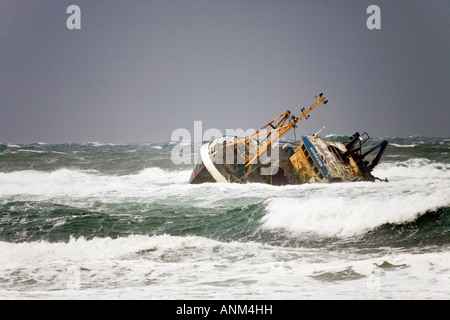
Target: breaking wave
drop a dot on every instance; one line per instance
(416, 186)
(86, 182)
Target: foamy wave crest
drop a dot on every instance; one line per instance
(417, 168)
(85, 183)
(403, 145)
(352, 212)
(96, 249)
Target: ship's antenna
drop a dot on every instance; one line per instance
(317, 133)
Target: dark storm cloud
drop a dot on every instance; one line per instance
(137, 70)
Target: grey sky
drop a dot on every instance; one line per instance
(137, 70)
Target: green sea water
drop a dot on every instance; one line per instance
(93, 220)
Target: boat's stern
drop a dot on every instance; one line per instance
(320, 161)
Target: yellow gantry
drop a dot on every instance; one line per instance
(265, 138)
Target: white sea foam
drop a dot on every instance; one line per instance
(350, 209)
(416, 168)
(402, 145)
(170, 267)
(31, 151)
(334, 214)
(66, 182)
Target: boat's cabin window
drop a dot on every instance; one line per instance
(305, 151)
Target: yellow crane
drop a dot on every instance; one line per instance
(279, 126)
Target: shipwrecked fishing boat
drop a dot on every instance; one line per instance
(263, 158)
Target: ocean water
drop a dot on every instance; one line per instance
(120, 221)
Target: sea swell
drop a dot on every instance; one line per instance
(58, 205)
(121, 221)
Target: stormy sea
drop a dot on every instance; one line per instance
(121, 221)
